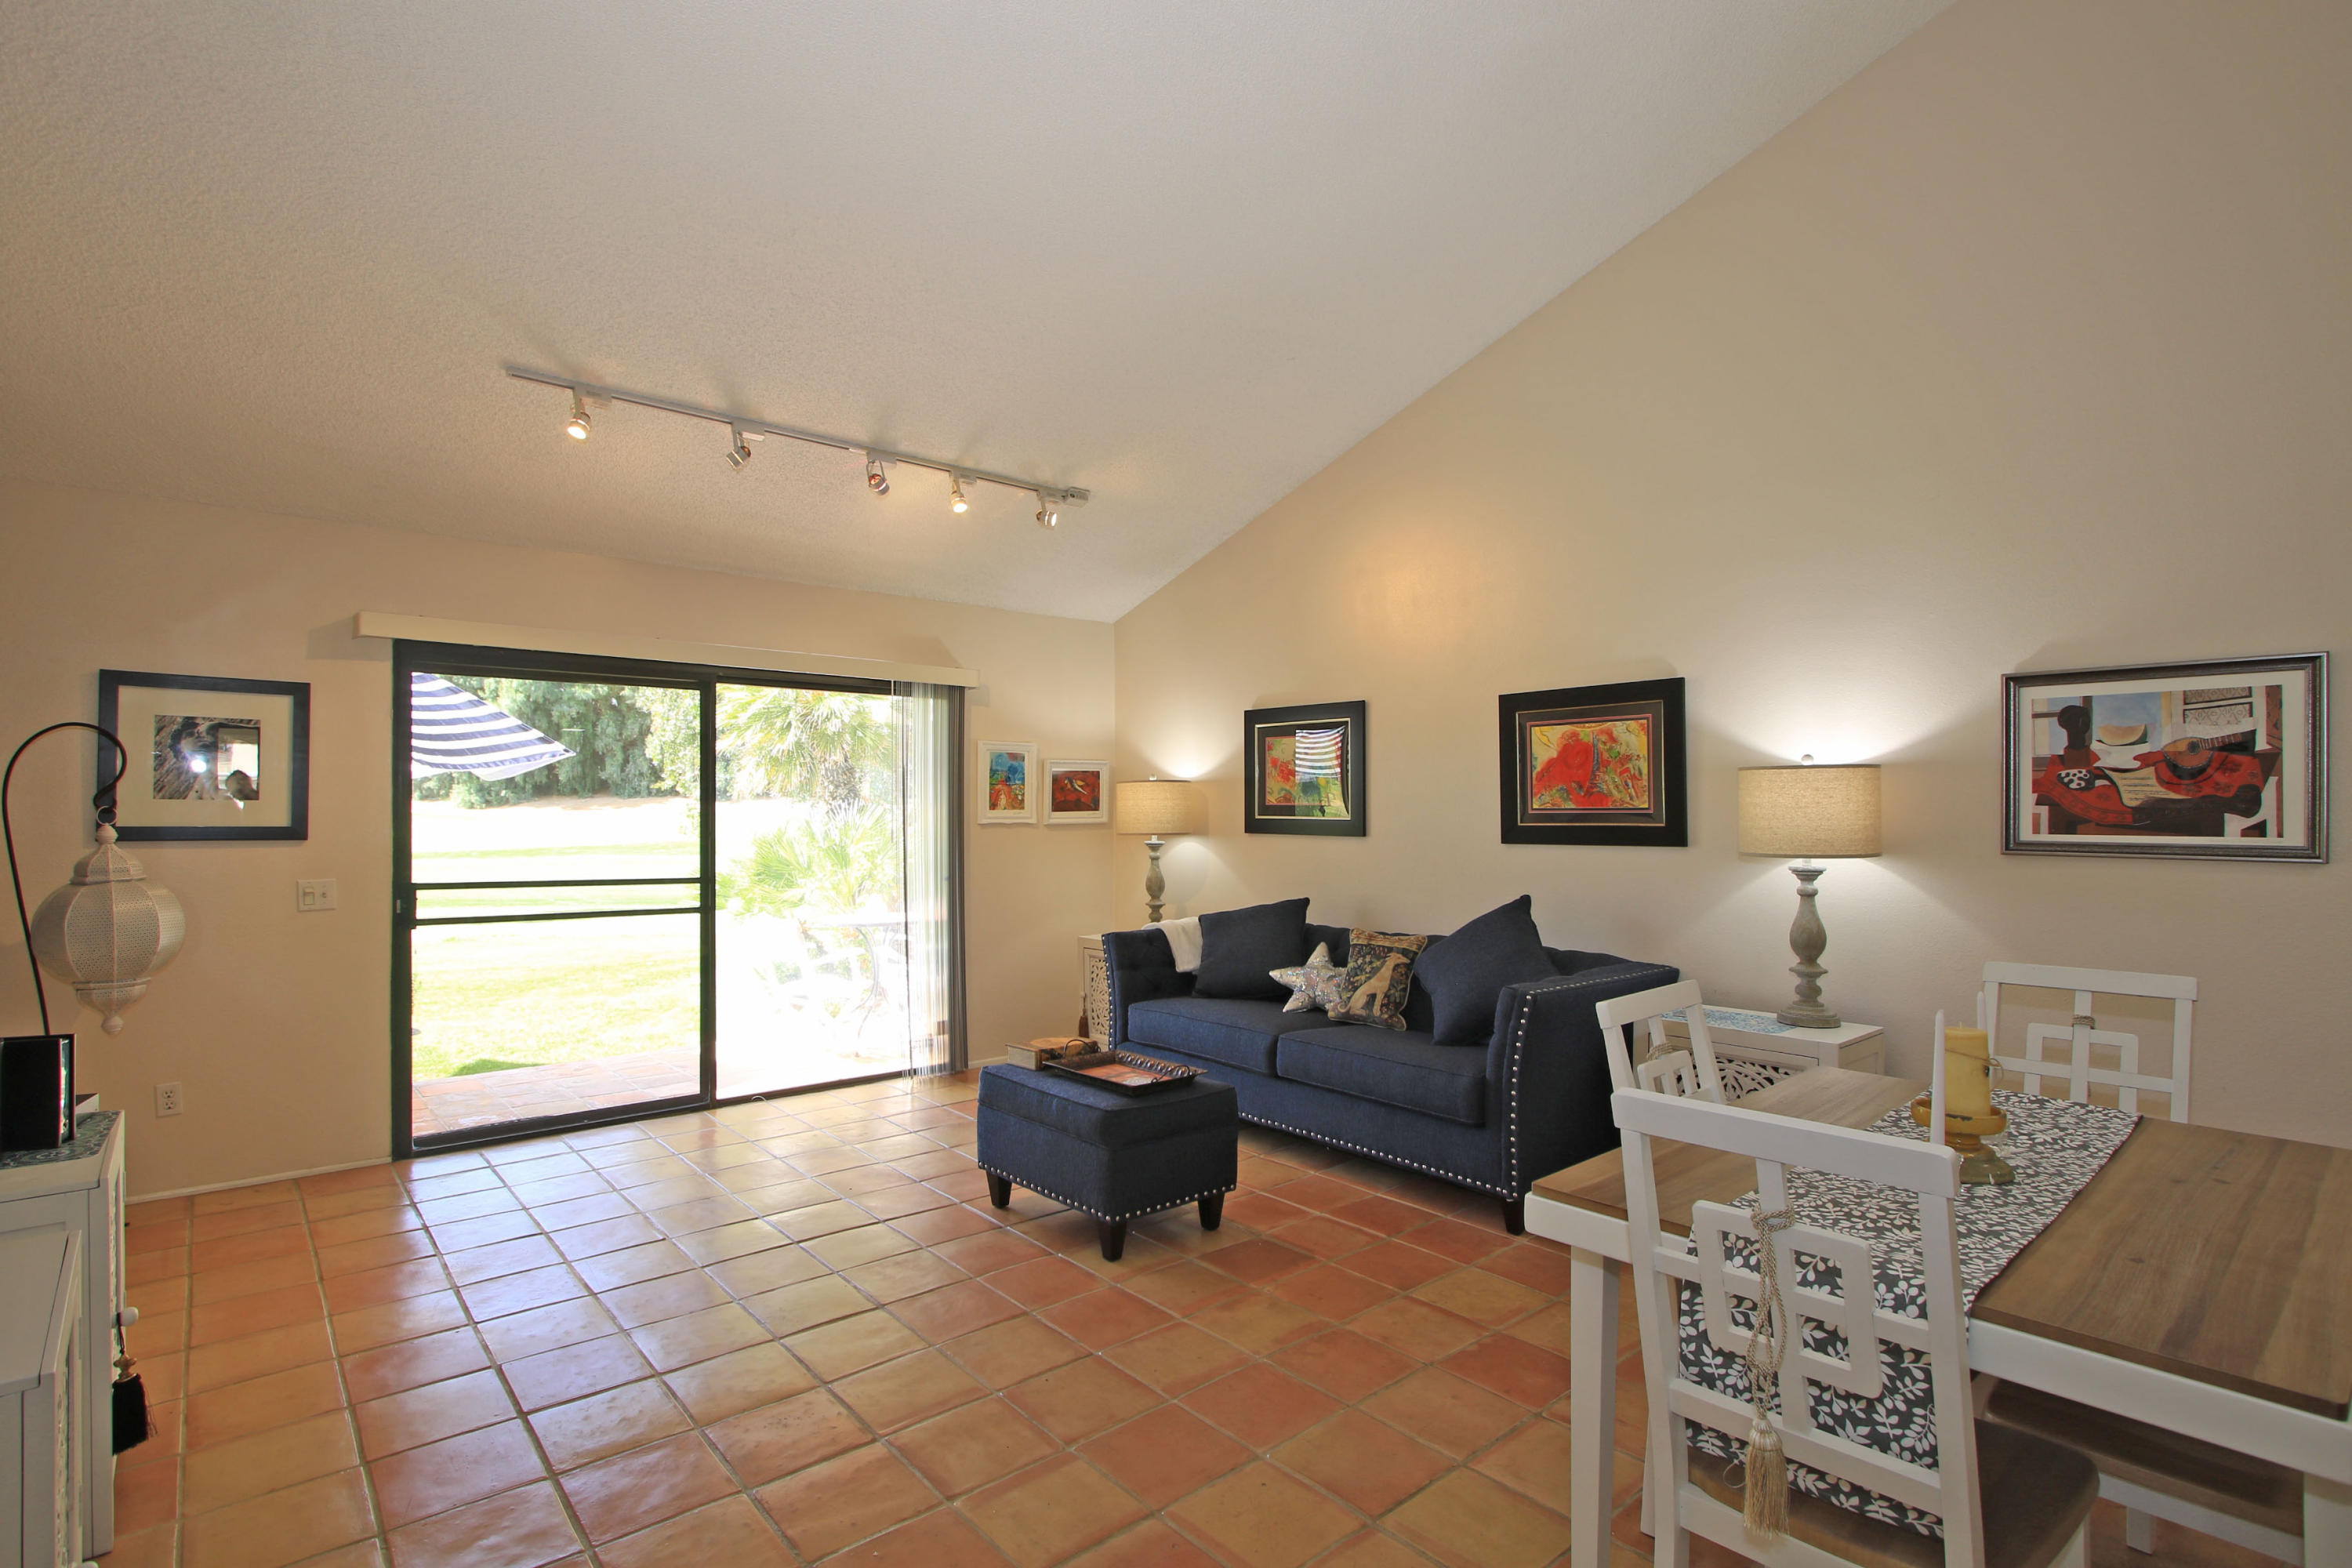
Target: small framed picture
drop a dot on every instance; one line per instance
(1305, 767)
(1007, 775)
(1077, 790)
(1595, 764)
(210, 757)
(2216, 760)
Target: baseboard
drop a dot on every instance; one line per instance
(254, 1181)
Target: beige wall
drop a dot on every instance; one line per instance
(2029, 348)
(276, 1022)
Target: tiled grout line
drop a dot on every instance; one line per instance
(708, 1135)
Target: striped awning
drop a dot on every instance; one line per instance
(452, 731)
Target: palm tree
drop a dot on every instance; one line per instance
(837, 748)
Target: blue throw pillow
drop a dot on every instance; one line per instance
(1466, 971)
(1239, 948)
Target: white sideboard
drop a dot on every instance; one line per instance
(43, 1371)
(79, 1187)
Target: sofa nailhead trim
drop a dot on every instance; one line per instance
(1377, 1154)
(1096, 1214)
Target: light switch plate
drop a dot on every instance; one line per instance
(312, 894)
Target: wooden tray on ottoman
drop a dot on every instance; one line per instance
(1123, 1071)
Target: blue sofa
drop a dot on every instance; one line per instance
(1492, 1118)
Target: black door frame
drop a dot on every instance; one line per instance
(457, 658)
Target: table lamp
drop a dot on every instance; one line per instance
(1155, 807)
(1807, 814)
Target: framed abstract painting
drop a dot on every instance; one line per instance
(1076, 792)
(1595, 764)
(211, 757)
(2218, 760)
(1306, 770)
(1006, 771)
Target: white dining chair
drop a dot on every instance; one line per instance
(2149, 1472)
(2076, 1066)
(2044, 1489)
(1665, 1067)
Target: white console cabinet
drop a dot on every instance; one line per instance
(79, 1189)
(43, 1371)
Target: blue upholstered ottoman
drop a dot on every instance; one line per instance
(1112, 1155)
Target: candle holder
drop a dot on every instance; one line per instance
(1966, 1134)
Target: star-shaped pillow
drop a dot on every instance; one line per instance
(1314, 983)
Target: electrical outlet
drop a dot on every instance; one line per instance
(312, 894)
(167, 1099)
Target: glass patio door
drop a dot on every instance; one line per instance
(552, 917)
(622, 888)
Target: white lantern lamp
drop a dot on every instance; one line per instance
(108, 931)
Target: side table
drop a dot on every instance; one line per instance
(1754, 1048)
(1095, 987)
(79, 1186)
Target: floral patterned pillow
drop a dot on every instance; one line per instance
(1379, 978)
(1314, 983)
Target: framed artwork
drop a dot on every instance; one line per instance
(1595, 764)
(210, 757)
(1077, 790)
(1008, 781)
(2220, 760)
(1306, 767)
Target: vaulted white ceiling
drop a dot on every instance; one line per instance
(1182, 255)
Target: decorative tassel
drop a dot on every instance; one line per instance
(1765, 1509)
(129, 1406)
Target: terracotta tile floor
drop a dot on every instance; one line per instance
(796, 1330)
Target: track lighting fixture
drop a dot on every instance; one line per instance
(741, 432)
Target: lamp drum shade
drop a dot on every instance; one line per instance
(1155, 807)
(1821, 812)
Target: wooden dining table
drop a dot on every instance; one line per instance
(2200, 1282)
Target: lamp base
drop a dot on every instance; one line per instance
(1806, 940)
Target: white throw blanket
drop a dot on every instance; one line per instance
(1184, 940)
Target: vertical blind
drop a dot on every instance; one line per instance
(929, 727)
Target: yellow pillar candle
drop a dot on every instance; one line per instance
(1968, 1073)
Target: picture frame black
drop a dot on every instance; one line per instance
(222, 770)
(1569, 777)
(1273, 802)
(2218, 759)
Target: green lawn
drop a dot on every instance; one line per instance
(558, 991)
(530, 993)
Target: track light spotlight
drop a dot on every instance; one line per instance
(577, 426)
(1049, 512)
(739, 452)
(876, 480)
(955, 493)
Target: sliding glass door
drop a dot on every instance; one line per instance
(626, 887)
